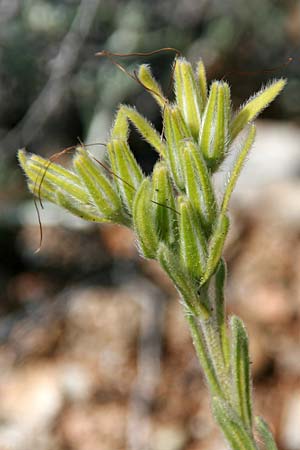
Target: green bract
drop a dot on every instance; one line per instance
(177, 217)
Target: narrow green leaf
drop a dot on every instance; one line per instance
(188, 95)
(198, 184)
(220, 279)
(163, 198)
(203, 356)
(265, 434)
(255, 105)
(234, 431)
(127, 173)
(216, 245)
(240, 370)
(183, 282)
(120, 128)
(175, 131)
(147, 79)
(193, 249)
(146, 129)
(144, 219)
(201, 74)
(238, 165)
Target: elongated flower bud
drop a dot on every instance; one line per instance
(164, 205)
(175, 131)
(53, 183)
(126, 171)
(198, 184)
(144, 211)
(193, 250)
(100, 188)
(216, 245)
(40, 171)
(214, 135)
(202, 81)
(188, 95)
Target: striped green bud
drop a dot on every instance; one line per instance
(86, 212)
(216, 246)
(100, 188)
(144, 211)
(175, 132)
(41, 172)
(126, 171)
(164, 204)
(188, 95)
(202, 82)
(193, 250)
(51, 182)
(198, 184)
(214, 134)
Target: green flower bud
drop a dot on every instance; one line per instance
(193, 250)
(126, 171)
(164, 205)
(214, 134)
(175, 131)
(198, 184)
(216, 245)
(100, 188)
(144, 212)
(188, 95)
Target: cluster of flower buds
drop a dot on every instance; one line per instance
(177, 217)
(175, 213)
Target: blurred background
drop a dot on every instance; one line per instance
(94, 350)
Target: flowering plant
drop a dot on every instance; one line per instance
(177, 218)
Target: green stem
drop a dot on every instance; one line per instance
(212, 337)
(204, 357)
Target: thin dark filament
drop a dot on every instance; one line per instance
(166, 206)
(113, 173)
(262, 71)
(40, 225)
(135, 77)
